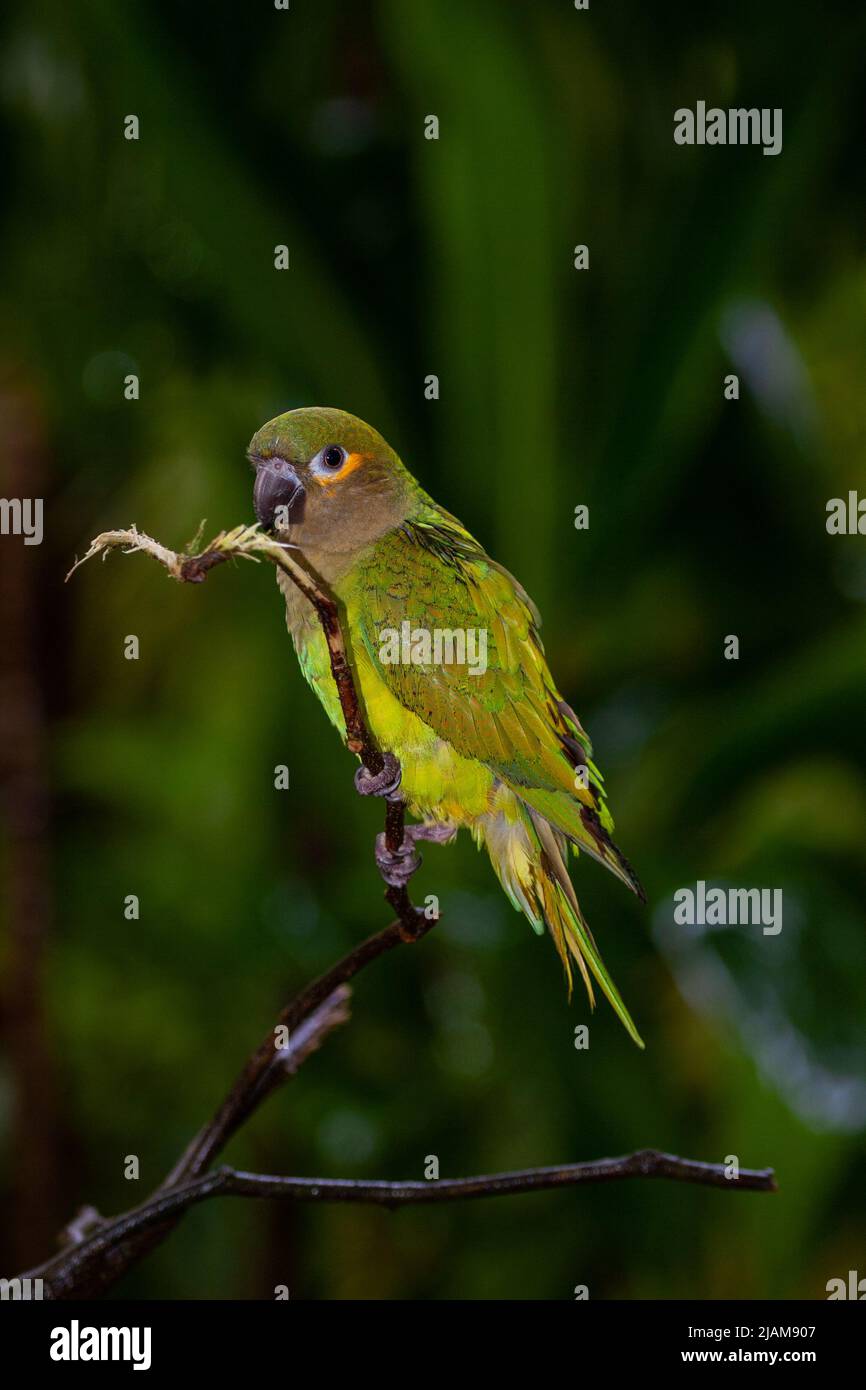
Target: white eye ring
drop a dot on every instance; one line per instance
(330, 459)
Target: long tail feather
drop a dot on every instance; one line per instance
(528, 855)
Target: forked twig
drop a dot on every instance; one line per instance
(99, 1251)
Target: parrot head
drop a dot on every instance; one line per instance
(326, 481)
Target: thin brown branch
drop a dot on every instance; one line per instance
(647, 1163)
(100, 1251)
(66, 1277)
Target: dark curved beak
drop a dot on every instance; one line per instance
(278, 493)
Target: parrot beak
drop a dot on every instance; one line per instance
(278, 493)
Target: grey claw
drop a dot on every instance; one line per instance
(385, 783)
(397, 866)
(439, 832)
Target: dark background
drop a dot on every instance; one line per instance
(558, 387)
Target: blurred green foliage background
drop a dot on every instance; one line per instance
(558, 387)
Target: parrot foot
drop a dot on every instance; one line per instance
(437, 831)
(397, 865)
(385, 783)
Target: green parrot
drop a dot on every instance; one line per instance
(484, 739)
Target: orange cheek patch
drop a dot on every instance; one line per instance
(352, 462)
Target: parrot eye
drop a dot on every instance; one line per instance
(333, 456)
